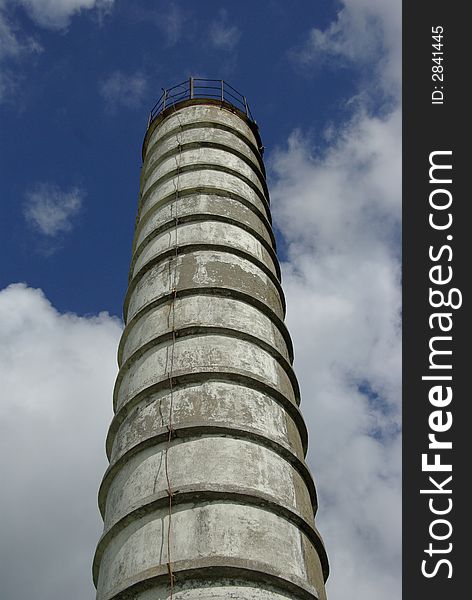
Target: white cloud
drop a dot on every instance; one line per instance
(170, 21)
(12, 44)
(223, 35)
(340, 216)
(365, 33)
(127, 90)
(57, 372)
(56, 14)
(14, 47)
(336, 201)
(50, 209)
(337, 205)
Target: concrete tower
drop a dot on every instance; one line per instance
(207, 495)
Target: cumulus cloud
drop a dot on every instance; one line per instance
(56, 14)
(223, 35)
(340, 218)
(336, 201)
(57, 372)
(364, 33)
(123, 90)
(50, 209)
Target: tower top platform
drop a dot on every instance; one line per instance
(195, 90)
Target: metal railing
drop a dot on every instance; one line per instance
(194, 87)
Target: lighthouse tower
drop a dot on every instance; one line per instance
(207, 495)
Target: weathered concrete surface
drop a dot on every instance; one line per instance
(205, 179)
(203, 311)
(238, 532)
(208, 462)
(209, 233)
(214, 403)
(207, 478)
(198, 116)
(204, 269)
(201, 205)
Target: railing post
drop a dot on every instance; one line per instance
(164, 100)
(222, 91)
(246, 107)
(149, 120)
(191, 88)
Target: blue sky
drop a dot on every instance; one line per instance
(77, 80)
(75, 105)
